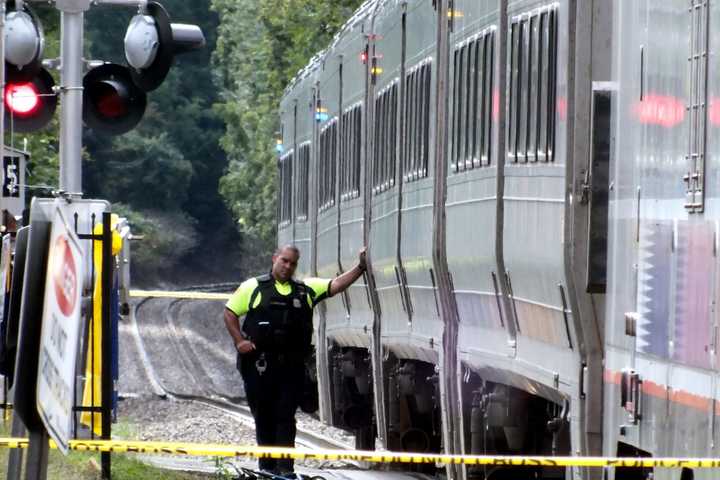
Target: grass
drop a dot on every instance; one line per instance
(86, 466)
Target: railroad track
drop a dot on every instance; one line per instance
(198, 385)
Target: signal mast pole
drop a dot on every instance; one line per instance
(71, 72)
(2, 75)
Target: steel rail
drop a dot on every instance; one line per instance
(239, 412)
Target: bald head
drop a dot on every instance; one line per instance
(290, 247)
(284, 262)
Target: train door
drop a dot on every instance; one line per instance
(351, 47)
(302, 220)
(417, 171)
(327, 112)
(386, 66)
(286, 150)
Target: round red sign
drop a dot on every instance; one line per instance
(64, 276)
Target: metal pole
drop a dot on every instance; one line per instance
(2, 74)
(71, 47)
(107, 380)
(15, 457)
(37, 457)
(14, 466)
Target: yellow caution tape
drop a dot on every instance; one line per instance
(216, 450)
(171, 294)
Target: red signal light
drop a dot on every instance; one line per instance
(29, 102)
(22, 99)
(109, 98)
(112, 103)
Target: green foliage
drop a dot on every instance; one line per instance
(260, 47)
(172, 161)
(166, 237)
(163, 172)
(86, 465)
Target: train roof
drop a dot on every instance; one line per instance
(363, 10)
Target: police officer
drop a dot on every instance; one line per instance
(273, 342)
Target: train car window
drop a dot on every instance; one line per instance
(404, 151)
(350, 154)
(345, 149)
(385, 140)
(488, 91)
(544, 55)
(285, 173)
(533, 96)
(415, 131)
(343, 155)
(328, 155)
(357, 134)
(285, 176)
(462, 111)
(376, 148)
(513, 95)
(552, 75)
(532, 87)
(301, 208)
(469, 109)
(477, 68)
(412, 126)
(479, 87)
(524, 92)
(472, 103)
(325, 165)
(393, 132)
(322, 168)
(346, 163)
(333, 162)
(417, 123)
(455, 136)
(426, 121)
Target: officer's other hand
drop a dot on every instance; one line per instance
(245, 346)
(362, 258)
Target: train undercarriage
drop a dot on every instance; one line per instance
(502, 420)
(497, 419)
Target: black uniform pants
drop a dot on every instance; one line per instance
(273, 397)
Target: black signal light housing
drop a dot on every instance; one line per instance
(112, 103)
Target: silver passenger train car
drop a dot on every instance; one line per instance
(535, 182)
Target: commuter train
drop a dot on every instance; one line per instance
(534, 182)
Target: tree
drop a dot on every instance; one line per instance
(260, 46)
(171, 163)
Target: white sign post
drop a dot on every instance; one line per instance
(60, 331)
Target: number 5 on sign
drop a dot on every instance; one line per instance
(60, 331)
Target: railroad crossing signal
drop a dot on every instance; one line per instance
(151, 43)
(112, 103)
(114, 97)
(29, 97)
